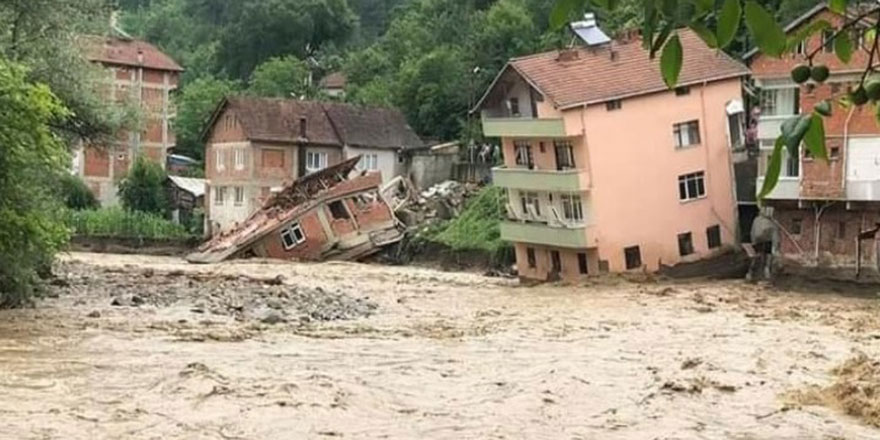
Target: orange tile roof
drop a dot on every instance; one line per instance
(125, 51)
(595, 77)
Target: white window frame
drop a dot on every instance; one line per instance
(523, 152)
(685, 192)
(240, 155)
(530, 198)
(238, 200)
(289, 238)
(220, 159)
(316, 161)
(572, 208)
(369, 162)
(219, 195)
(686, 134)
(779, 101)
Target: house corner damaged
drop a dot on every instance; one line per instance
(326, 215)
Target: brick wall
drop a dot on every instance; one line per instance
(839, 229)
(308, 250)
(97, 162)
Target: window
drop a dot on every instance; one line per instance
(541, 147)
(315, 161)
(219, 195)
(775, 102)
(239, 158)
(523, 152)
(555, 262)
(828, 40)
(796, 224)
(682, 91)
(612, 105)
(841, 230)
(686, 134)
(239, 196)
(835, 153)
(633, 257)
(685, 244)
(835, 88)
(735, 129)
(220, 159)
(530, 256)
(564, 155)
(582, 264)
(857, 35)
(691, 186)
(369, 162)
(514, 106)
(292, 236)
(713, 236)
(530, 199)
(801, 48)
(572, 208)
(338, 211)
(792, 165)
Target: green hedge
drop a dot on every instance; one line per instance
(116, 222)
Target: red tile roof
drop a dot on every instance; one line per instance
(126, 52)
(371, 126)
(595, 77)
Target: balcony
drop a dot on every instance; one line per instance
(543, 234)
(770, 127)
(787, 188)
(862, 190)
(541, 180)
(523, 127)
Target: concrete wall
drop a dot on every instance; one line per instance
(635, 166)
(427, 170)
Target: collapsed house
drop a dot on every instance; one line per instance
(327, 215)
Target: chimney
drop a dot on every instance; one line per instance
(566, 55)
(302, 128)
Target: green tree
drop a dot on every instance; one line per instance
(32, 158)
(281, 77)
(195, 105)
(143, 189)
(431, 92)
(75, 193)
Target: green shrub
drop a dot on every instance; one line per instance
(143, 189)
(478, 228)
(75, 194)
(116, 222)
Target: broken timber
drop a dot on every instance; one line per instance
(323, 215)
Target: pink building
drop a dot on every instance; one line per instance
(605, 168)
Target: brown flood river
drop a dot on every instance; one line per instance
(442, 356)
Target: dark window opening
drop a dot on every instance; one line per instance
(514, 106)
(682, 91)
(835, 152)
(614, 105)
(530, 256)
(338, 211)
(564, 155)
(713, 236)
(633, 257)
(582, 264)
(541, 146)
(796, 224)
(555, 261)
(685, 244)
(828, 40)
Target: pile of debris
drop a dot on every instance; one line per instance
(856, 390)
(442, 201)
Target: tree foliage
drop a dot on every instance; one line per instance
(75, 194)
(32, 158)
(143, 189)
(281, 77)
(195, 105)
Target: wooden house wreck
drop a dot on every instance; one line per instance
(336, 213)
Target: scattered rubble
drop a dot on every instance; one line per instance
(442, 201)
(267, 301)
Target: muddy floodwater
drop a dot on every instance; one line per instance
(135, 347)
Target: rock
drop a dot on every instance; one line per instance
(116, 302)
(59, 282)
(148, 273)
(277, 281)
(94, 314)
(272, 317)
(137, 300)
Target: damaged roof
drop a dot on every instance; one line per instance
(591, 75)
(327, 123)
(127, 52)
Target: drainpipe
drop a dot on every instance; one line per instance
(708, 176)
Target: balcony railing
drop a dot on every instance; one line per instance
(787, 188)
(769, 126)
(863, 190)
(541, 180)
(575, 236)
(523, 127)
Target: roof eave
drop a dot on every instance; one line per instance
(651, 91)
(491, 87)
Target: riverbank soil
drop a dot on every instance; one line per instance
(140, 347)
